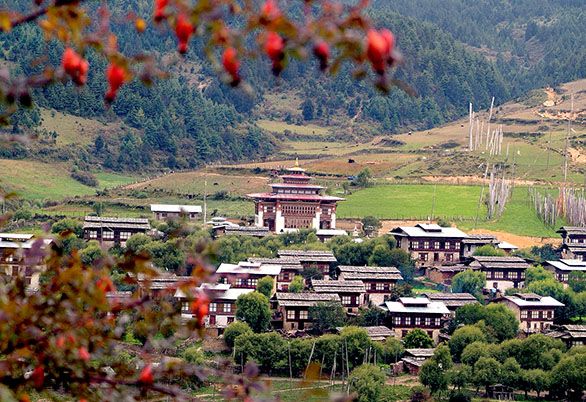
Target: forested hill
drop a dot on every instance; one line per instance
(193, 118)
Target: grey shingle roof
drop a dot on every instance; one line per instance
(96, 222)
(309, 255)
(366, 273)
(305, 299)
(340, 286)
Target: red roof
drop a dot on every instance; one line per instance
(300, 197)
(295, 185)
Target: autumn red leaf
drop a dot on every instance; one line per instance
(183, 29)
(38, 377)
(200, 307)
(270, 11)
(159, 13)
(116, 76)
(105, 284)
(231, 64)
(321, 50)
(75, 66)
(83, 354)
(146, 375)
(273, 47)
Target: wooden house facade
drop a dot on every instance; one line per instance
(325, 261)
(573, 242)
(502, 273)
(21, 255)
(430, 244)
(453, 301)
(378, 281)
(352, 293)
(290, 267)
(110, 231)
(535, 313)
(564, 267)
(163, 212)
(246, 274)
(292, 309)
(409, 313)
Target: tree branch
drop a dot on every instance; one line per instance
(24, 19)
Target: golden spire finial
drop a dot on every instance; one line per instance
(296, 161)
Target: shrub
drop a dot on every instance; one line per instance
(234, 330)
(367, 381)
(85, 178)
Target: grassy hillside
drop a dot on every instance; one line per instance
(38, 181)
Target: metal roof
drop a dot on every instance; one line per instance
(404, 305)
(246, 231)
(176, 208)
(300, 197)
(249, 268)
(568, 265)
(452, 299)
(573, 230)
(544, 301)
(427, 231)
(16, 236)
(97, 222)
(362, 273)
(309, 255)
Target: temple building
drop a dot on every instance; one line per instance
(295, 204)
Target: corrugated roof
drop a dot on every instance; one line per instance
(247, 268)
(16, 236)
(246, 231)
(544, 301)
(430, 308)
(424, 231)
(568, 265)
(452, 299)
(97, 222)
(422, 352)
(285, 263)
(309, 255)
(176, 208)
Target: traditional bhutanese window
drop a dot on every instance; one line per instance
(380, 286)
(417, 320)
(125, 235)
(93, 234)
(227, 307)
(213, 307)
(397, 320)
(346, 300)
(523, 314)
(185, 307)
(303, 315)
(407, 320)
(108, 235)
(436, 245)
(428, 321)
(290, 314)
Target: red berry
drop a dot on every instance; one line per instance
(322, 51)
(38, 377)
(105, 284)
(379, 48)
(231, 64)
(75, 66)
(159, 14)
(183, 30)
(60, 342)
(146, 375)
(116, 77)
(83, 354)
(270, 10)
(274, 46)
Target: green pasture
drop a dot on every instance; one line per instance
(458, 204)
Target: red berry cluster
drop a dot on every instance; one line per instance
(379, 49)
(75, 66)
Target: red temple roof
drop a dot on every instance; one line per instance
(299, 197)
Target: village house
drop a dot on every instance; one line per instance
(564, 267)
(251, 231)
(327, 234)
(430, 244)
(502, 273)
(292, 309)
(162, 285)
(352, 293)
(295, 204)
(222, 307)
(409, 313)
(573, 242)
(290, 267)
(163, 212)
(475, 241)
(571, 335)
(378, 281)
(444, 274)
(21, 255)
(325, 261)
(111, 231)
(413, 359)
(452, 301)
(246, 274)
(535, 313)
